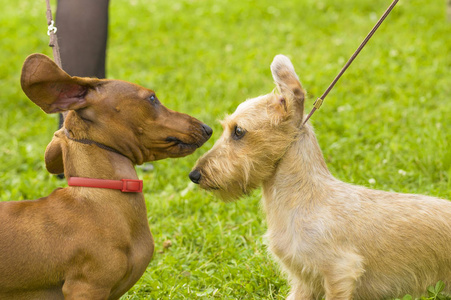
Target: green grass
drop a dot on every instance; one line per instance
(390, 112)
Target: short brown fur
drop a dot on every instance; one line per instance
(89, 243)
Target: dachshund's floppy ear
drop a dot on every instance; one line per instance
(52, 89)
(54, 154)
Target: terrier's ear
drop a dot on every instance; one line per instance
(289, 86)
(51, 88)
(54, 154)
(277, 106)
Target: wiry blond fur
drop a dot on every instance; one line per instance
(333, 239)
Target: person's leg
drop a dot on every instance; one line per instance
(82, 36)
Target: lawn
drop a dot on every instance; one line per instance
(386, 125)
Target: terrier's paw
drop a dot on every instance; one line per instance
(282, 69)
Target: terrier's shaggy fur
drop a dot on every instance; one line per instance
(333, 239)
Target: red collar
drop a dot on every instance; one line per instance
(124, 185)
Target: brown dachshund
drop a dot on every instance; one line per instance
(85, 242)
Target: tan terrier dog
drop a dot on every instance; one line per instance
(332, 238)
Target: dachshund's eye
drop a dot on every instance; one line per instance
(152, 98)
(238, 133)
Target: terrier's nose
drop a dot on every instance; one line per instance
(207, 129)
(195, 176)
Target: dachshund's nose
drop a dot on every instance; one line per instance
(207, 129)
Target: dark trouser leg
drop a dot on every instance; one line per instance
(82, 36)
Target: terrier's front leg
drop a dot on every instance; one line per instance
(298, 294)
(341, 276)
(340, 290)
(300, 291)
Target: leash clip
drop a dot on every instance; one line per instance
(318, 103)
(51, 28)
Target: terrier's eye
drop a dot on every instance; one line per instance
(238, 133)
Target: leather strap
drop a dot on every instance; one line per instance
(91, 142)
(320, 100)
(53, 43)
